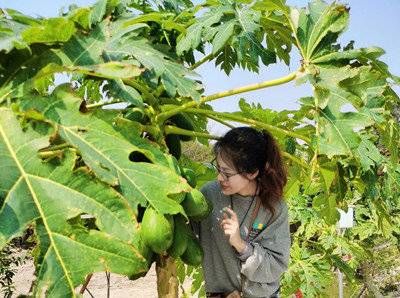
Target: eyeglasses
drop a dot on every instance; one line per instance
(224, 175)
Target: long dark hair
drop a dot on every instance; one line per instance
(249, 150)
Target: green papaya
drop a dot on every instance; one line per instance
(290, 145)
(174, 166)
(196, 205)
(174, 145)
(181, 234)
(193, 254)
(183, 121)
(157, 230)
(178, 197)
(190, 176)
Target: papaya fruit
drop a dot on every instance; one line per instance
(178, 197)
(193, 254)
(174, 166)
(157, 230)
(190, 176)
(174, 145)
(181, 235)
(183, 121)
(196, 205)
(290, 145)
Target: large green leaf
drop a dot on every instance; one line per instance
(108, 153)
(84, 51)
(235, 30)
(275, 21)
(113, 70)
(49, 31)
(249, 41)
(193, 36)
(174, 76)
(369, 87)
(279, 36)
(294, 182)
(369, 154)
(120, 41)
(366, 53)
(344, 113)
(318, 27)
(326, 207)
(338, 130)
(12, 23)
(225, 32)
(53, 194)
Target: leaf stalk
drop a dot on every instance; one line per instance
(169, 129)
(252, 122)
(295, 160)
(203, 60)
(290, 77)
(100, 104)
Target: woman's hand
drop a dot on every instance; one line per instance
(230, 226)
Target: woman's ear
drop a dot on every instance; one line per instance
(253, 175)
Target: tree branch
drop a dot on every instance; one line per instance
(220, 121)
(252, 122)
(295, 159)
(56, 147)
(203, 60)
(100, 104)
(143, 90)
(290, 77)
(169, 129)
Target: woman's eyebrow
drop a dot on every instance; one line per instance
(223, 168)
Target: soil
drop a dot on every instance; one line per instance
(120, 286)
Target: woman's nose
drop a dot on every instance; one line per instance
(220, 177)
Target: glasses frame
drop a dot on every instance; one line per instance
(224, 175)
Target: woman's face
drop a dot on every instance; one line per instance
(233, 182)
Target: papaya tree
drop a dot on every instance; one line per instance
(94, 166)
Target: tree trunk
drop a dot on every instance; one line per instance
(167, 282)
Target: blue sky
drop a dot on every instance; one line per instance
(372, 23)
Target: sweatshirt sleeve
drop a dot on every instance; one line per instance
(270, 253)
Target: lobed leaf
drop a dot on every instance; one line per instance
(109, 154)
(52, 195)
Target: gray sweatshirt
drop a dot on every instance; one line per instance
(265, 258)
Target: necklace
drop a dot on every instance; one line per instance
(248, 209)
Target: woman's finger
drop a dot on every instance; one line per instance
(231, 213)
(226, 224)
(228, 221)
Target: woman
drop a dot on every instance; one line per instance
(246, 238)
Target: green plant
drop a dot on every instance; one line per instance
(65, 157)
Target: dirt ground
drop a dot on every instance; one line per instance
(120, 286)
